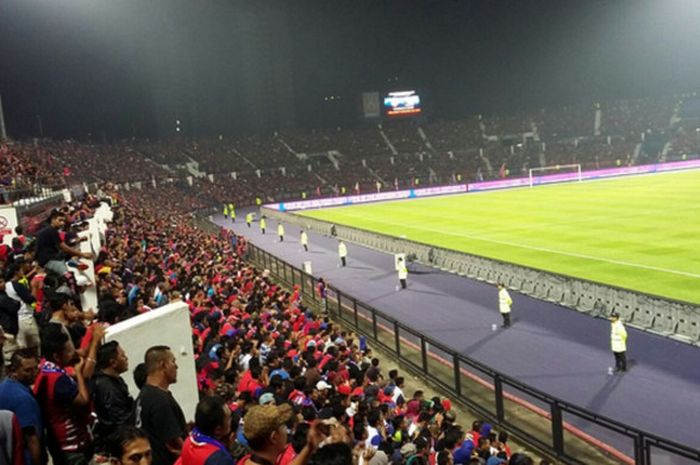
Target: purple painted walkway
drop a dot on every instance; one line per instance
(551, 348)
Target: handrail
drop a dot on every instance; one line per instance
(643, 440)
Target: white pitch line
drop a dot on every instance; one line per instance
(540, 249)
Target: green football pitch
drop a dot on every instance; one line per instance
(640, 233)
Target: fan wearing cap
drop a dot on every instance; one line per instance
(264, 426)
(320, 394)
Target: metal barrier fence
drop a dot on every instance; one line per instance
(20, 197)
(666, 317)
(544, 421)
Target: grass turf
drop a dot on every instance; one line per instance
(639, 232)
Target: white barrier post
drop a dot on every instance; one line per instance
(8, 223)
(168, 325)
(89, 297)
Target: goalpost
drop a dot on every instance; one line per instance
(573, 169)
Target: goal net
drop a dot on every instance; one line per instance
(554, 173)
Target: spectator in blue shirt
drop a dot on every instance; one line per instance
(461, 448)
(16, 396)
(136, 290)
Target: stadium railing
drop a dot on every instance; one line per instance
(544, 421)
(28, 209)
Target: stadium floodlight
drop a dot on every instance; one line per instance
(3, 132)
(566, 173)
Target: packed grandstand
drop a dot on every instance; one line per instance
(398, 154)
(278, 381)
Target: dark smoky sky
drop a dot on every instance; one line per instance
(122, 68)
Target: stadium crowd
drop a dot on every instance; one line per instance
(278, 384)
(392, 155)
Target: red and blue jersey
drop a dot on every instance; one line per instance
(200, 449)
(67, 425)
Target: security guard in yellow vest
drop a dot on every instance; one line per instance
(232, 212)
(263, 225)
(342, 253)
(249, 219)
(304, 240)
(504, 303)
(280, 231)
(225, 211)
(403, 272)
(618, 342)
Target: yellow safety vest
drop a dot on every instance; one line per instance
(504, 301)
(618, 336)
(403, 272)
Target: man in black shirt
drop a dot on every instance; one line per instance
(50, 249)
(157, 411)
(113, 404)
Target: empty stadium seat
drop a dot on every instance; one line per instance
(586, 302)
(688, 327)
(605, 297)
(515, 282)
(569, 297)
(528, 286)
(491, 276)
(665, 320)
(643, 317)
(540, 290)
(625, 305)
(463, 267)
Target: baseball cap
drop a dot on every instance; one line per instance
(408, 449)
(263, 420)
(322, 385)
(267, 398)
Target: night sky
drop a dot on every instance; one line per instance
(123, 68)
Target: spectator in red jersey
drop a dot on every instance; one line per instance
(210, 439)
(64, 401)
